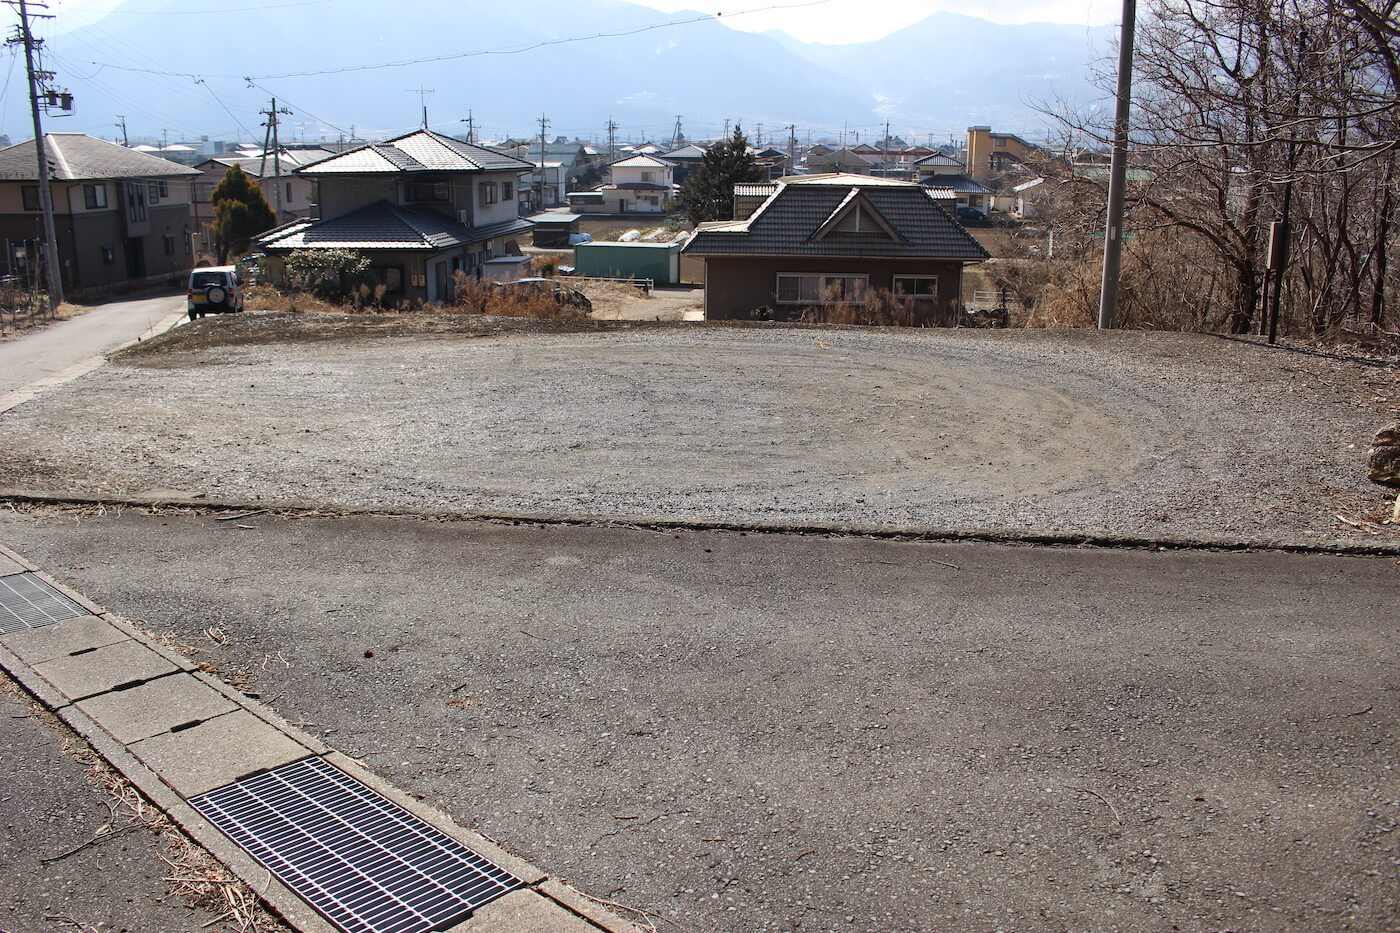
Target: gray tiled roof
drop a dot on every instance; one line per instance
(938, 158)
(959, 183)
(787, 225)
(77, 157)
(384, 226)
(419, 151)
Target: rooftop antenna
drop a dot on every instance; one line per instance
(422, 93)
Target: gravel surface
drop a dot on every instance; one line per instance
(1127, 433)
(774, 732)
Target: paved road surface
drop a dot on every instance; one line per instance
(758, 732)
(49, 807)
(53, 349)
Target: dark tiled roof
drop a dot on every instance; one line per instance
(419, 151)
(384, 226)
(787, 225)
(76, 157)
(959, 183)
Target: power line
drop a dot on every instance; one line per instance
(517, 50)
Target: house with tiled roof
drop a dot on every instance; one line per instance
(817, 238)
(120, 216)
(294, 194)
(421, 206)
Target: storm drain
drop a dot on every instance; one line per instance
(28, 602)
(367, 864)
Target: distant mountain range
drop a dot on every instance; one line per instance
(933, 78)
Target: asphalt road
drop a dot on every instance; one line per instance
(53, 349)
(750, 732)
(55, 876)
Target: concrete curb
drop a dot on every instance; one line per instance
(82, 367)
(931, 534)
(545, 905)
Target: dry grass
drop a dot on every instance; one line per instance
(477, 296)
(610, 299)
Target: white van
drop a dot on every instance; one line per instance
(214, 290)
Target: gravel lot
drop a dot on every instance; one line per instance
(778, 732)
(1132, 433)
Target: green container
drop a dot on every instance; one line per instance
(659, 262)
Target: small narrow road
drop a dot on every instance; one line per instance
(45, 352)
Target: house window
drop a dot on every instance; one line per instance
(289, 191)
(109, 255)
(30, 194)
(1001, 143)
(489, 191)
(648, 177)
(154, 189)
(189, 242)
(169, 240)
(507, 191)
(94, 196)
(916, 287)
(136, 203)
(416, 191)
(796, 289)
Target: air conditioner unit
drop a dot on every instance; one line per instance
(464, 217)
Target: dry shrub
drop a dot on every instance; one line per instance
(545, 266)
(882, 308)
(1166, 283)
(478, 296)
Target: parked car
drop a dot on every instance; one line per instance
(971, 215)
(214, 290)
(562, 293)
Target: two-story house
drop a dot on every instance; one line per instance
(421, 206)
(120, 216)
(641, 184)
(296, 193)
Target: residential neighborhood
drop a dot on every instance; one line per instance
(604, 467)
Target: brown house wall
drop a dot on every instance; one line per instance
(736, 287)
(82, 236)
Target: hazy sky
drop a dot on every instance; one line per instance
(833, 21)
(839, 21)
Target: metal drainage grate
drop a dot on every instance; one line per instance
(28, 602)
(364, 862)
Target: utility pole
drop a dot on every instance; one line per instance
(422, 93)
(1278, 233)
(121, 125)
(792, 147)
(612, 141)
(271, 114)
(677, 135)
(164, 139)
(759, 143)
(471, 128)
(544, 125)
(54, 272)
(885, 154)
(726, 127)
(1118, 172)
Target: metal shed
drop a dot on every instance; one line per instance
(659, 262)
(552, 230)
